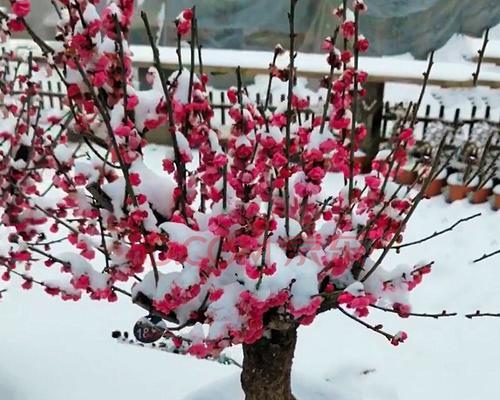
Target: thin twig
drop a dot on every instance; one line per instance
(442, 314)
(478, 314)
(127, 114)
(198, 45)
(330, 81)
(437, 233)
(475, 75)
(485, 256)
(266, 234)
(377, 328)
(103, 239)
(119, 290)
(422, 91)
(170, 120)
(193, 53)
(178, 51)
(291, 78)
(416, 201)
(354, 106)
(270, 80)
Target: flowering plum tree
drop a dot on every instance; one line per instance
(237, 240)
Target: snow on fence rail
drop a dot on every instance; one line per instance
(492, 53)
(381, 70)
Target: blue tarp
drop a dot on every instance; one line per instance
(393, 26)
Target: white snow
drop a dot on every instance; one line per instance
(158, 188)
(63, 153)
(305, 387)
(442, 175)
(394, 68)
(457, 179)
(398, 68)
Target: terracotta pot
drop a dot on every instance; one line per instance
(480, 196)
(435, 188)
(406, 177)
(457, 192)
(495, 202)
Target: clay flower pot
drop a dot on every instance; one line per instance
(436, 186)
(481, 195)
(457, 192)
(495, 200)
(406, 177)
(457, 189)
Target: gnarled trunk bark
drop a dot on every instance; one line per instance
(267, 367)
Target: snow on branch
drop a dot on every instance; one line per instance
(223, 239)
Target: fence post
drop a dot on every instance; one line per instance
(372, 112)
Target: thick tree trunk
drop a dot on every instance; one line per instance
(267, 367)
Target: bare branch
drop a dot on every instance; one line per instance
(422, 92)
(266, 234)
(479, 314)
(119, 41)
(330, 80)
(442, 314)
(170, 121)
(437, 233)
(485, 256)
(105, 116)
(291, 78)
(119, 290)
(198, 45)
(475, 75)
(100, 196)
(376, 328)
(416, 201)
(482, 160)
(354, 106)
(329, 301)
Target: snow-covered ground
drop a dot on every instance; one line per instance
(53, 350)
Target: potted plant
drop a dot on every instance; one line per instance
(495, 200)
(424, 152)
(436, 186)
(481, 193)
(408, 174)
(464, 179)
(475, 182)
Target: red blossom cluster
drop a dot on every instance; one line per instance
(288, 244)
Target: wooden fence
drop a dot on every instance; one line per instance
(52, 92)
(460, 119)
